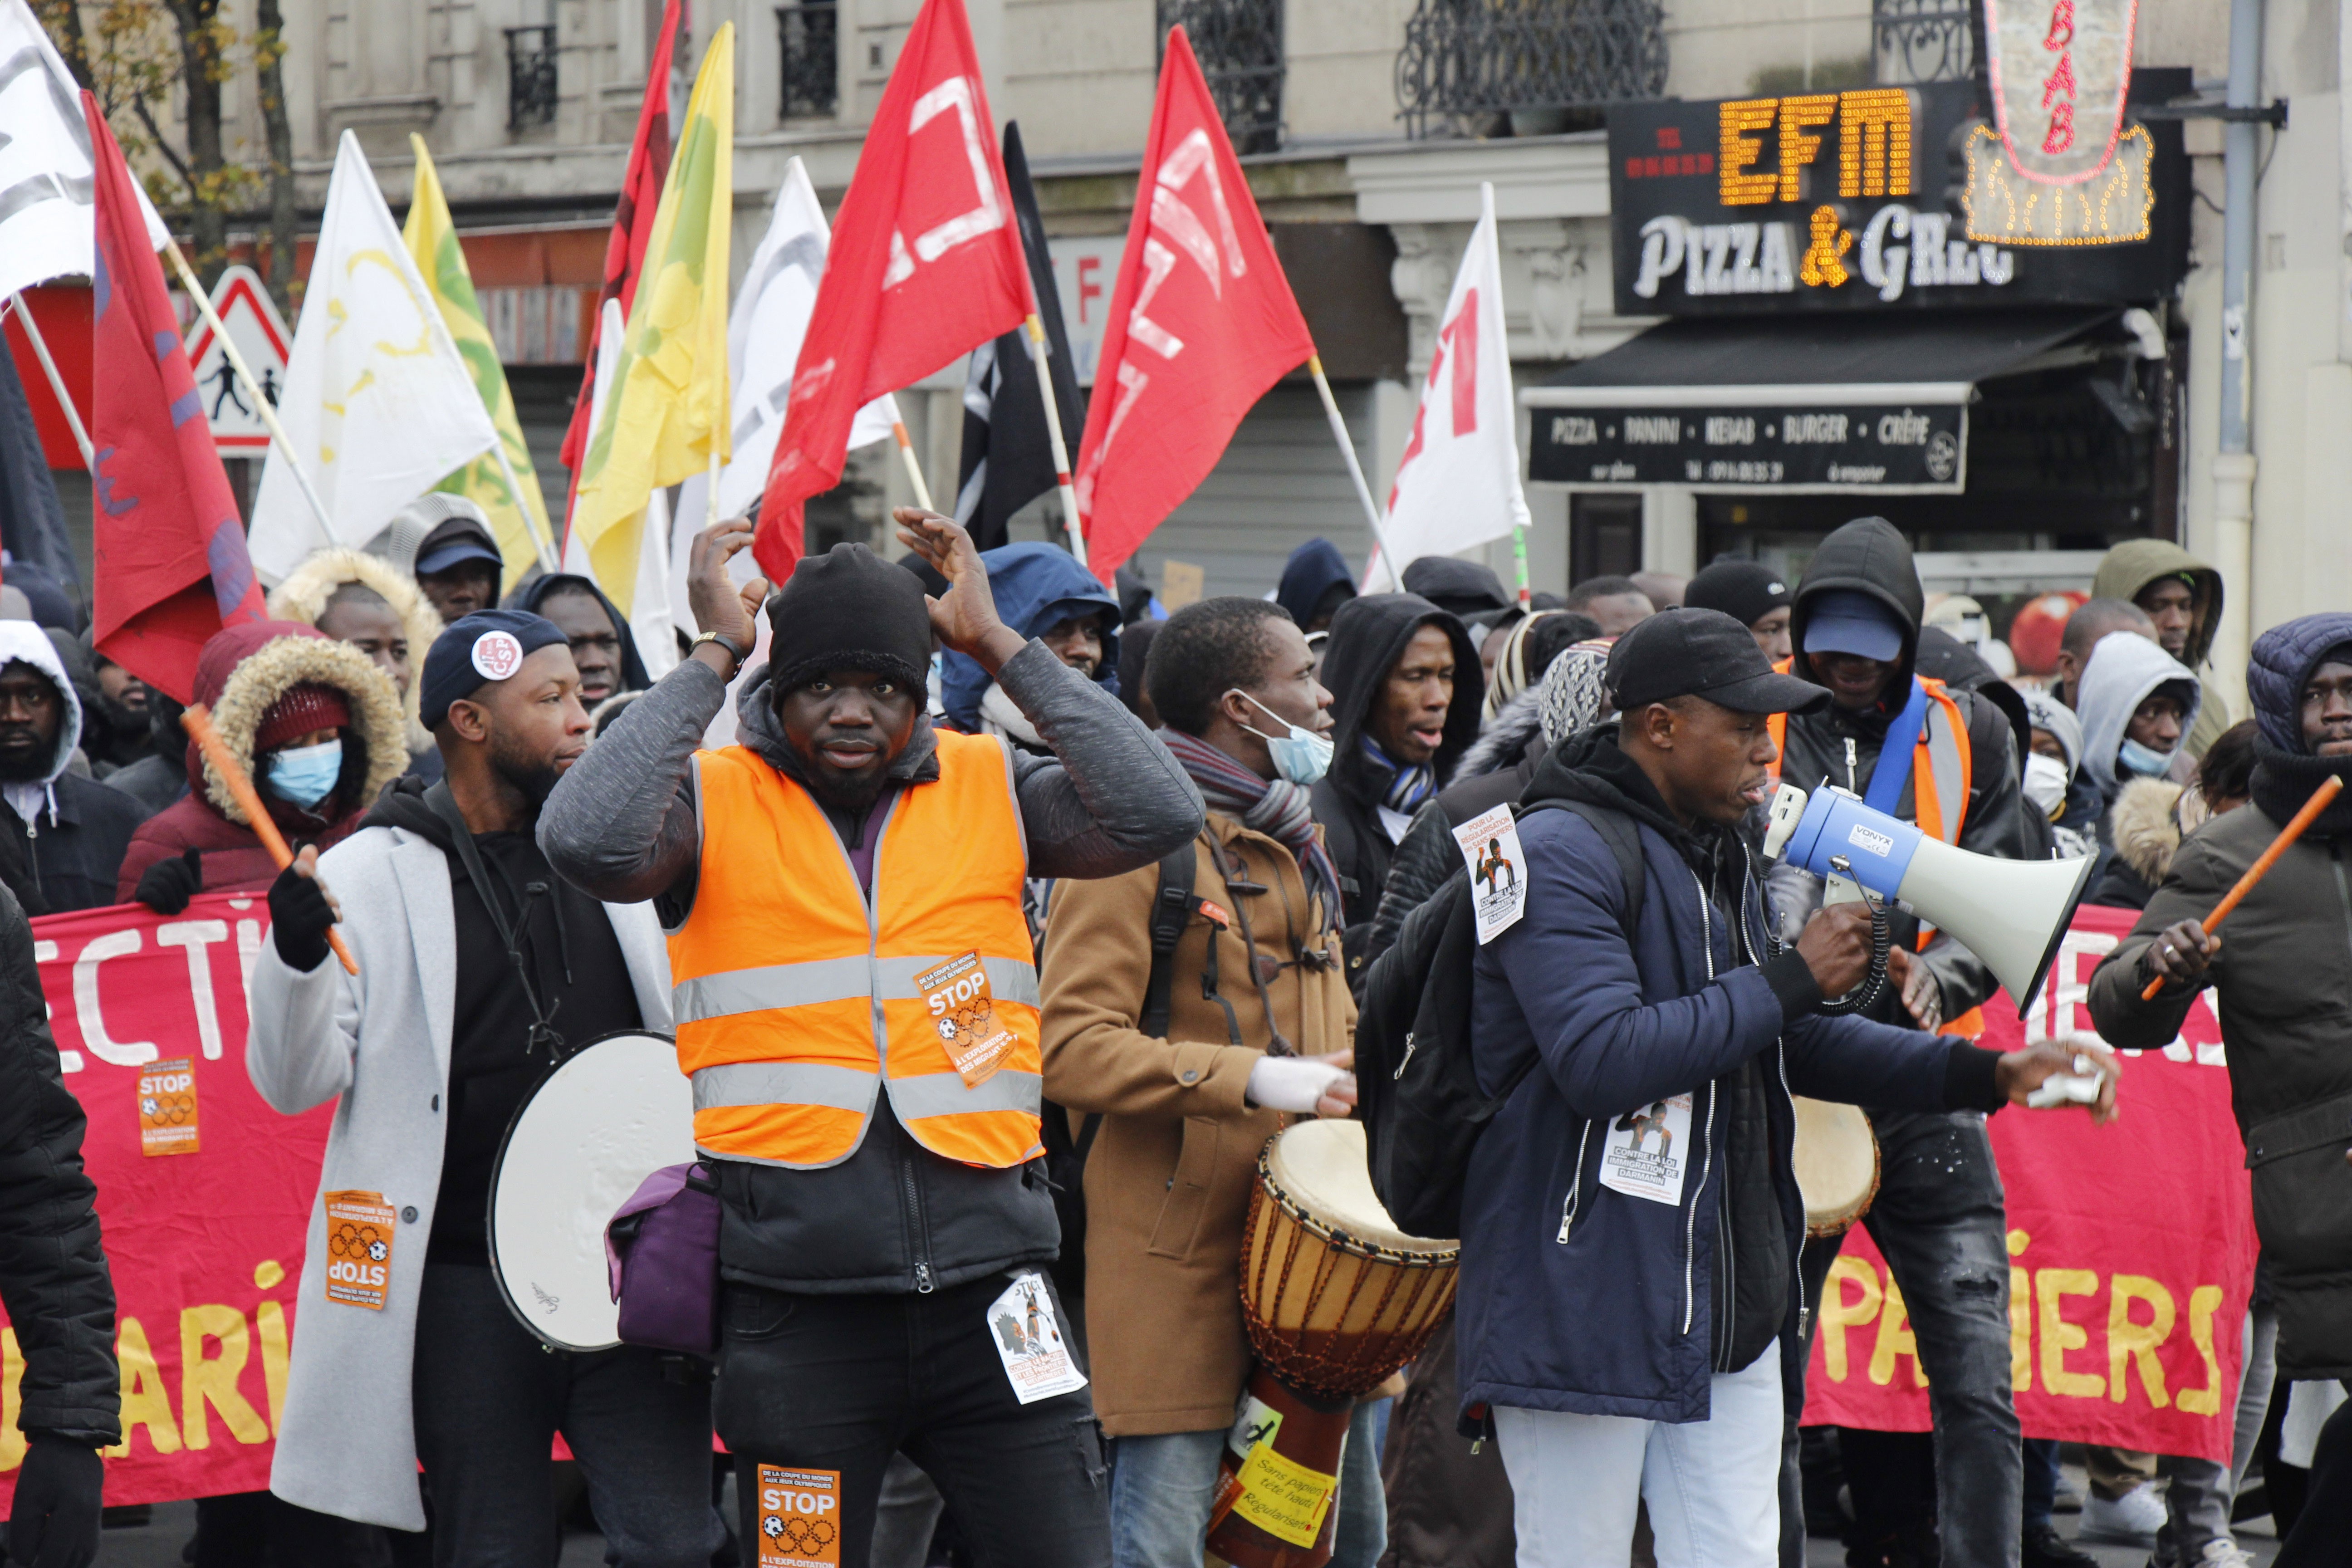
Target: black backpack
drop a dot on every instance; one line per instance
(1418, 1095)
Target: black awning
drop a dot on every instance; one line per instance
(1792, 403)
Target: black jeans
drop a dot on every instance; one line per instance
(489, 1399)
(841, 1383)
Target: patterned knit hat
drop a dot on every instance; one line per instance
(303, 708)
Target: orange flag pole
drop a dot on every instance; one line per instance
(2327, 792)
(198, 722)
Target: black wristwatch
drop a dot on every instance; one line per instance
(723, 640)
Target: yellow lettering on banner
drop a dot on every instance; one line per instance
(2130, 1340)
(1736, 178)
(270, 1319)
(2059, 1336)
(2203, 1302)
(2021, 1317)
(144, 1401)
(214, 1379)
(1837, 1316)
(1894, 1339)
(12, 1400)
(1282, 1496)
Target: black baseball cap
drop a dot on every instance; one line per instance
(1703, 653)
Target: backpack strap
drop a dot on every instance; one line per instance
(1171, 907)
(1624, 840)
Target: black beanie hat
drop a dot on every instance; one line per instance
(849, 609)
(1746, 591)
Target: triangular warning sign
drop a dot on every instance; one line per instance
(244, 306)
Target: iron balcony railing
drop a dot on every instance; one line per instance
(1538, 62)
(530, 77)
(809, 33)
(1914, 41)
(1239, 43)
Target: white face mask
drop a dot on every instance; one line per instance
(2045, 784)
(1302, 756)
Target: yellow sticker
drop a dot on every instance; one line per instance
(964, 1012)
(800, 1518)
(167, 1108)
(359, 1248)
(1282, 1496)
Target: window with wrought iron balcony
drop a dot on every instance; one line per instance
(809, 33)
(530, 77)
(1239, 44)
(1525, 67)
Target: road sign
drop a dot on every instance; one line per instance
(242, 304)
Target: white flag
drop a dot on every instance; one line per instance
(48, 216)
(650, 621)
(1459, 482)
(378, 403)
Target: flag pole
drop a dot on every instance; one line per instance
(1355, 469)
(1054, 434)
(914, 469)
(261, 405)
(56, 382)
(1519, 557)
(710, 489)
(547, 558)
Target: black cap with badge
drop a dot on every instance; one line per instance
(1703, 653)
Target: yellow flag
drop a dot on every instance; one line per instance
(517, 520)
(667, 415)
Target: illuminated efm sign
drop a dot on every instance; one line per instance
(1882, 198)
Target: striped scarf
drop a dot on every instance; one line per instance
(1275, 808)
(1407, 787)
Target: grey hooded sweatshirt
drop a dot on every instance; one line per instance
(75, 828)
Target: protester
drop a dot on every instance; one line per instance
(1134, 648)
(522, 963)
(873, 1199)
(603, 650)
(65, 1395)
(2281, 988)
(318, 730)
(2092, 620)
(2152, 816)
(457, 561)
(1750, 592)
(160, 778)
(1938, 1217)
(1405, 695)
(75, 829)
(1523, 650)
(121, 701)
(1044, 594)
(1664, 590)
(1637, 1343)
(1165, 1338)
(1614, 601)
(1316, 580)
(356, 598)
(1468, 590)
(2183, 599)
(1960, 666)
(2136, 704)
(2054, 786)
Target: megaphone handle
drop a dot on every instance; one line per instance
(1844, 890)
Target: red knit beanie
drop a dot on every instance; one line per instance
(302, 709)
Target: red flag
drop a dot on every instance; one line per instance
(632, 224)
(926, 264)
(172, 567)
(1202, 324)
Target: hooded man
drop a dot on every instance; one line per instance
(1406, 692)
(1468, 590)
(1041, 592)
(359, 599)
(602, 649)
(2182, 597)
(1315, 582)
(76, 828)
(2138, 705)
(1945, 760)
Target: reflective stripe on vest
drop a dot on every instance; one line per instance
(1942, 763)
(794, 991)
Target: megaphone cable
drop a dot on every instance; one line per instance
(1864, 997)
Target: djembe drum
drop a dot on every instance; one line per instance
(1335, 1298)
(1836, 1161)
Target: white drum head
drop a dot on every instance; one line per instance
(1836, 1161)
(1325, 1166)
(594, 1128)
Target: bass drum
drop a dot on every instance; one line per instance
(600, 1123)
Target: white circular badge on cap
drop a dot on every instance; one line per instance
(496, 655)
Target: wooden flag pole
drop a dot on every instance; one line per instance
(1037, 357)
(198, 722)
(1355, 470)
(56, 383)
(914, 469)
(261, 405)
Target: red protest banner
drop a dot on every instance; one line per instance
(2131, 1249)
(203, 1190)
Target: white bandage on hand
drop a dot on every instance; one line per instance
(1295, 1084)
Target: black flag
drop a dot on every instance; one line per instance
(32, 523)
(1008, 461)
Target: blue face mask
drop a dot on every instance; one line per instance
(2138, 759)
(1300, 757)
(306, 774)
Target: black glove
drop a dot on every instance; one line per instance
(168, 884)
(299, 917)
(53, 1523)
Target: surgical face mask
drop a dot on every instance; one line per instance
(306, 774)
(2045, 784)
(1301, 757)
(2142, 760)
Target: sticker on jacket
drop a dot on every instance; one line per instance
(1029, 1340)
(359, 1248)
(1287, 1500)
(1648, 1149)
(1489, 843)
(965, 1013)
(167, 1108)
(800, 1518)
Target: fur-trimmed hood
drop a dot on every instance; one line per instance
(245, 670)
(303, 597)
(1509, 735)
(2146, 833)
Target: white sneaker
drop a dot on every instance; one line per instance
(2223, 1552)
(2131, 1519)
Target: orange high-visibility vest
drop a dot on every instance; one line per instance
(795, 992)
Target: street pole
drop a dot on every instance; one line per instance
(2233, 464)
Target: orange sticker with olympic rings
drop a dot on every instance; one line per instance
(800, 1518)
(359, 1248)
(964, 1011)
(167, 1108)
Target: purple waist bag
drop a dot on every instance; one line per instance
(662, 1248)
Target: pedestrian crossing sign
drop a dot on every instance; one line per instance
(242, 304)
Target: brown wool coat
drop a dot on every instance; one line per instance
(1168, 1183)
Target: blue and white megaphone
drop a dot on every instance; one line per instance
(2009, 913)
